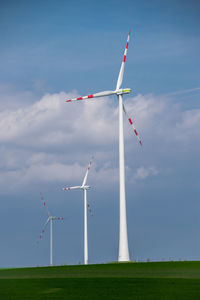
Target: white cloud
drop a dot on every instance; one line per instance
(161, 120)
(187, 128)
(51, 141)
(51, 121)
(143, 173)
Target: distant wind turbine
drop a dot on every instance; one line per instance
(83, 187)
(123, 236)
(49, 220)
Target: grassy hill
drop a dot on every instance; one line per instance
(152, 280)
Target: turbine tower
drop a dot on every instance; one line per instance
(49, 220)
(83, 187)
(123, 236)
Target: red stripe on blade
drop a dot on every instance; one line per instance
(80, 98)
(68, 100)
(127, 45)
(130, 121)
(90, 96)
(124, 58)
(135, 131)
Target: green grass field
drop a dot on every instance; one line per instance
(152, 280)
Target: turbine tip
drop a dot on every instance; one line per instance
(66, 188)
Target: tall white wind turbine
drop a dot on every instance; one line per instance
(123, 237)
(83, 187)
(49, 220)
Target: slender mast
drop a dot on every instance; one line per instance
(85, 229)
(51, 242)
(123, 236)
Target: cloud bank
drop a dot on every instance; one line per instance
(50, 140)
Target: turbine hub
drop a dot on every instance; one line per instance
(123, 91)
(86, 187)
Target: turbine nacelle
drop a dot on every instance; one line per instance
(123, 91)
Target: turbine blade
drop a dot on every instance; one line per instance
(100, 94)
(43, 230)
(71, 188)
(86, 174)
(121, 72)
(44, 203)
(131, 122)
(89, 209)
(57, 218)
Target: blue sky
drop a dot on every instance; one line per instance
(54, 50)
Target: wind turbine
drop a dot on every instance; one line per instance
(49, 220)
(83, 187)
(123, 236)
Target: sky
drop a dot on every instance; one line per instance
(51, 51)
